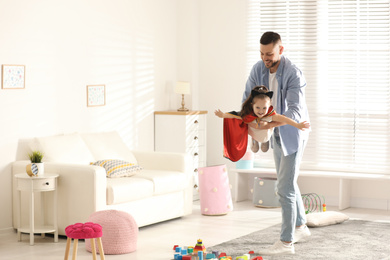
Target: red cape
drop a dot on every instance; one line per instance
(235, 135)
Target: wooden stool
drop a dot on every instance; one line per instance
(88, 230)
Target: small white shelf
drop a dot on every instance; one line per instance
(40, 183)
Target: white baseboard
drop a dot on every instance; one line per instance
(366, 203)
(7, 230)
(382, 204)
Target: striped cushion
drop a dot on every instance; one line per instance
(118, 168)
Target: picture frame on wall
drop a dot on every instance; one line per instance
(13, 76)
(96, 95)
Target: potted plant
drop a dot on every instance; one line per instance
(36, 158)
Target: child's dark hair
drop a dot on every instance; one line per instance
(257, 92)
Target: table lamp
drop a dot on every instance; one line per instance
(182, 87)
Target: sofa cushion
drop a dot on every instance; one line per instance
(165, 181)
(118, 168)
(108, 145)
(120, 190)
(68, 148)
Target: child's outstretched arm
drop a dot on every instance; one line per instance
(283, 119)
(221, 114)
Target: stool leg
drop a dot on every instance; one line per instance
(93, 248)
(68, 241)
(75, 243)
(101, 251)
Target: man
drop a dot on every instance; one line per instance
(287, 82)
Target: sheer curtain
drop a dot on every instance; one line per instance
(343, 49)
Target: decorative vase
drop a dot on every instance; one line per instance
(35, 169)
(41, 169)
(31, 169)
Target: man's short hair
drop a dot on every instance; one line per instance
(270, 37)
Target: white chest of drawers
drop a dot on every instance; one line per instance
(183, 132)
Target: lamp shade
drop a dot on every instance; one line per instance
(182, 87)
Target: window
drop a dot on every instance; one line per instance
(343, 49)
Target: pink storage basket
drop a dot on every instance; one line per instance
(214, 190)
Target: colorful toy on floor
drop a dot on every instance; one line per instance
(210, 256)
(199, 246)
(199, 253)
(313, 203)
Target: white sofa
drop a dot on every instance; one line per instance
(162, 190)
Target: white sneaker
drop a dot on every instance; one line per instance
(301, 233)
(279, 248)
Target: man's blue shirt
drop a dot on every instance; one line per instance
(291, 99)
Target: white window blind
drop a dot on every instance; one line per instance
(343, 49)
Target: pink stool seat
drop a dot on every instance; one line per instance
(88, 231)
(84, 230)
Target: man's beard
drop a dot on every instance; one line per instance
(274, 64)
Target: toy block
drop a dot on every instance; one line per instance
(200, 255)
(251, 252)
(210, 256)
(174, 247)
(199, 246)
(243, 257)
(186, 257)
(257, 258)
(178, 249)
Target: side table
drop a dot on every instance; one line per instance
(44, 183)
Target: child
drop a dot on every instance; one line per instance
(257, 107)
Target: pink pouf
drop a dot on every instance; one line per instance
(120, 231)
(214, 190)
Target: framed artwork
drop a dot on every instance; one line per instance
(13, 76)
(96, 95)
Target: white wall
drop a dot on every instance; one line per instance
(128, 45)
(222, 66)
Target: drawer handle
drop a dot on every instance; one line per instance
(195, 138)
(47, 183)
(196, 121)
(196, 170)
(195, 154)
